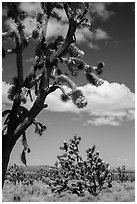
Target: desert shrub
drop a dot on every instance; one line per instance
(122, 174)
(71, 173)
(16, 175)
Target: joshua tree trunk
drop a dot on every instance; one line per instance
(6, 151)
(9, 140)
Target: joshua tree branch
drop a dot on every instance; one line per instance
(65, 79)
(61, 88)
(68, 10)
(29, 83)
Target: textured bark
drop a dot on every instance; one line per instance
(6, 151)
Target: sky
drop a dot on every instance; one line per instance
(108, 120)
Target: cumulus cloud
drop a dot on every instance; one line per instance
(93, 46)
(99, 9)
(109, 104)
(100, 34)
(56, 28)
(31, 8)
(62, 15)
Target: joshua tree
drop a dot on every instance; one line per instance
(47, 75)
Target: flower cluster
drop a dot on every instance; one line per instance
(78, 99)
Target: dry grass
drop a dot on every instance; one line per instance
(39, 192)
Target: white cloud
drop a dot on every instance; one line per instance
(93, 46)
(30, 24)
(31, 8)
(101, 34)
(99, 9)
(62, 14)
(84, 34)
(56, 28)
(103, 121)
(109, 104)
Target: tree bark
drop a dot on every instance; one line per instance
(6, 151)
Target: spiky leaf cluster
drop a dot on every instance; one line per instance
(75, 62)
(78, 99)
(93, 79)
(65, 97)
(39, 128)
(14, 89)
(73, 51)
(74, 65)
(99, 69)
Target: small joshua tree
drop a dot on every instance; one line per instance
(46, 76)
(123, 175)
(75, 175)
